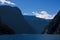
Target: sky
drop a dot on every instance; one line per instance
(31, 7)
(27, 6)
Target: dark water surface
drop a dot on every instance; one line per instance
(30, 37)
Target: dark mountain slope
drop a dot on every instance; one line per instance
(12, 16)
(54, 26)
(37, 23)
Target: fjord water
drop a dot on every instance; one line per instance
(30, 37)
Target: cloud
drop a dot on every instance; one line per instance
(6, 1)
(43, 14)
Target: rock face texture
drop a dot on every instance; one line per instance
(13, 20)
(54, 26)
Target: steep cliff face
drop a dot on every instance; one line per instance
(54, 26)
(12, 16)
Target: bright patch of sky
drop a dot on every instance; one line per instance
(7, 2)
(29, 6)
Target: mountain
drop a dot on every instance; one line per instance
(37, 23)
(12, 17)
(54, 25)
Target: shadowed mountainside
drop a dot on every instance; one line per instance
(37, 23)
(4, 29)
(12, 16)
(54, 26)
